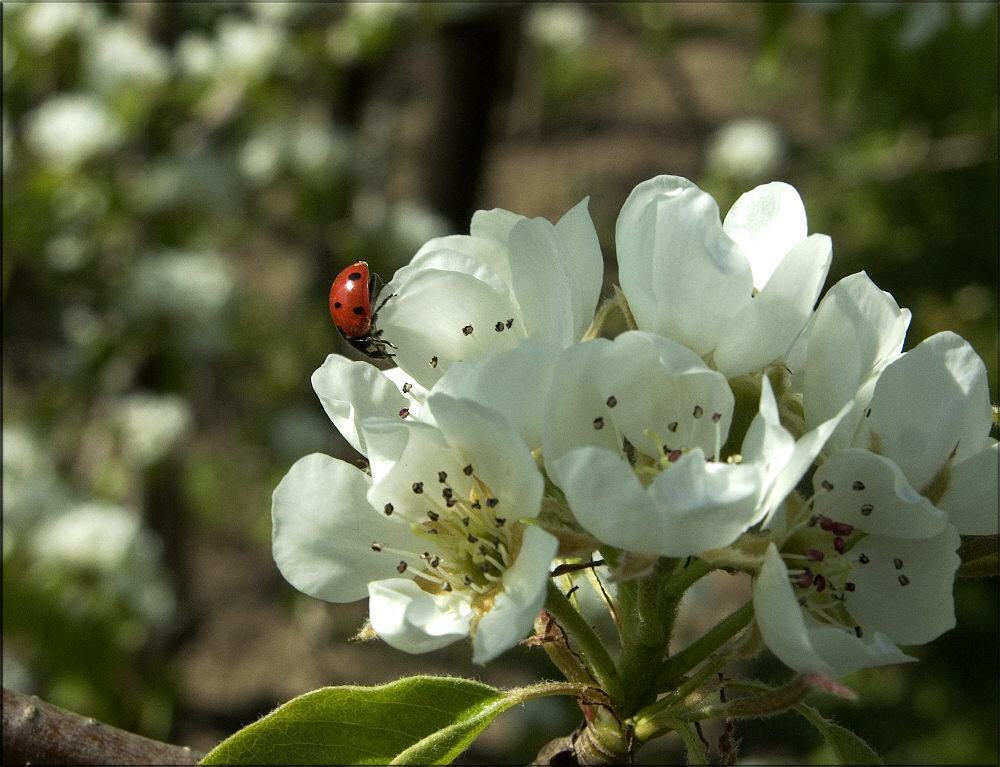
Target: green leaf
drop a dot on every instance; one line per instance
(418, 720)
(847, 747)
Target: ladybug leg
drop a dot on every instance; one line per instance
(380, 305)
(376, 337)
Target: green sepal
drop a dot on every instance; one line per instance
(979, 556)
(847, 746)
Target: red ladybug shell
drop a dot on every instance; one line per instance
(351, 301)
(351, 308)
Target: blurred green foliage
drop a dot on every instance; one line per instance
(183, 180)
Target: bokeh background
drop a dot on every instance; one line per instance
(181, 183)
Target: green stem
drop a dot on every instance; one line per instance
(686, 576)
(696, 752)
(589, 646)
(647, 608)
(674, 667)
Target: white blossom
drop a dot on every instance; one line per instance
(736, 293)
(437, 535)
(634, 439)
(512, 278)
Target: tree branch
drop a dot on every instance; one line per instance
(38, 732)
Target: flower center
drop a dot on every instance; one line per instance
(468, 544)
(819, 570)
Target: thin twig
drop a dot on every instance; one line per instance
(37, 732)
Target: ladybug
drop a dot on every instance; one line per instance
(351, 308)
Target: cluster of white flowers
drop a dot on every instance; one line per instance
(692, 431)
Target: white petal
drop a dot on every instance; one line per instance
(444, 316)
(494, 226)
(854, 331)
(635, 244)
(785, 459)
(971, 498)
(408, 618)
(352, 390)
(767, 442)
(691, 507)
(766, 223)
(800, 641)
(870, 492)
(707, 505)
(575, 403)
(402, 453)
(480, 437)
(481, 257)
(515, 383)
(585, 263)
(661, 386)
(847, 653)
(539, 280)
(765, 327)
(607, 499)
(414, 390)
(683, 276)
(781, 622)
(930, 403)
(323, 528)
(905, 588)
(515, 608)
